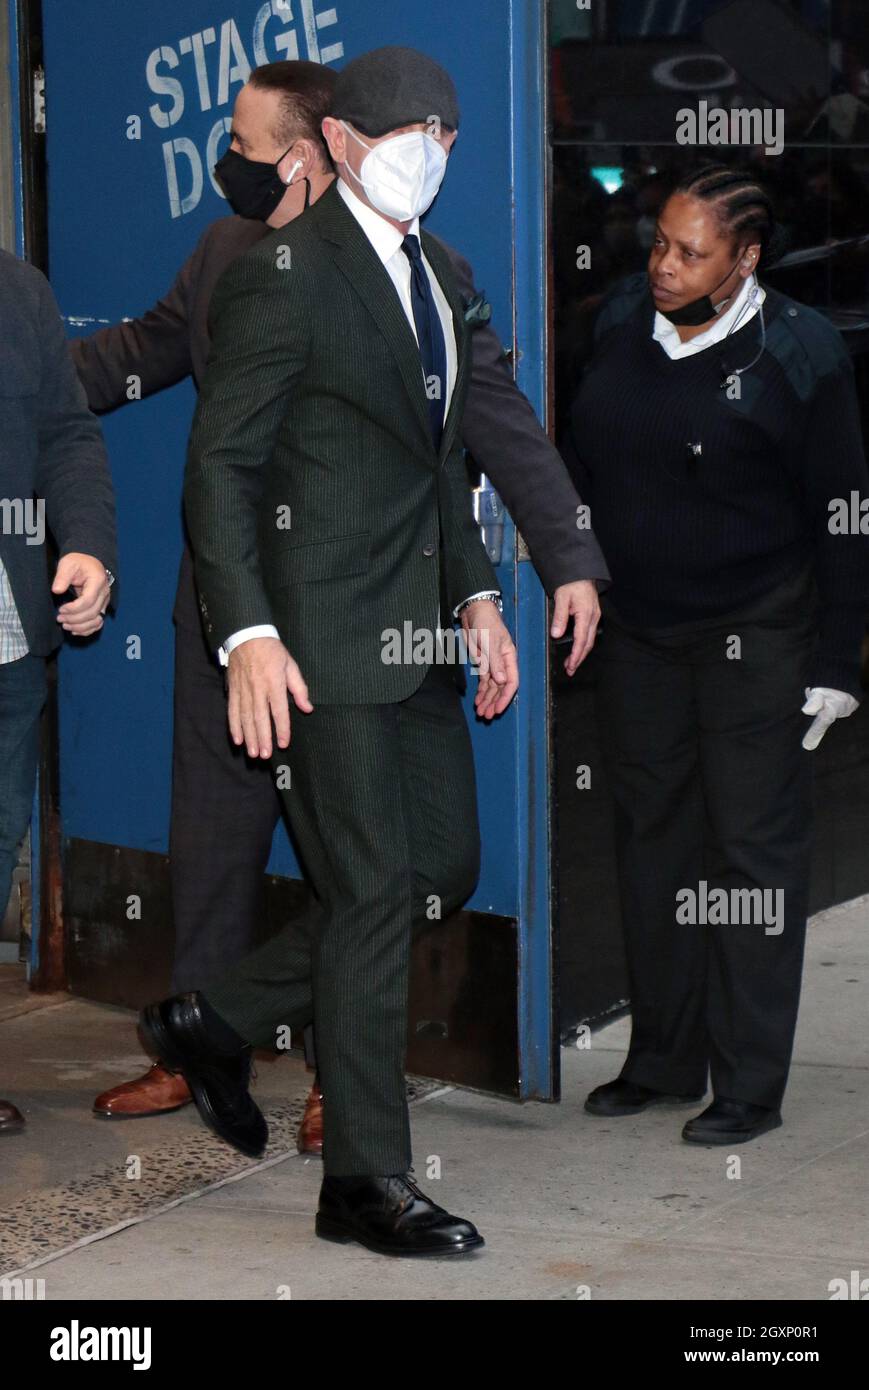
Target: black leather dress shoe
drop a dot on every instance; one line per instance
(11, 1119)
(391, 1216)
(730, 1122)
(622, 1097)
(218, 1079)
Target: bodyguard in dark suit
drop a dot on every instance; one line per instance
(224, 806)
(54, 475)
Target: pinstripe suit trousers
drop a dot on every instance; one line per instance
(382, 803)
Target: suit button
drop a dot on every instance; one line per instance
(428, 550)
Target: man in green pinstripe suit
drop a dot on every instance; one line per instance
(328, 506)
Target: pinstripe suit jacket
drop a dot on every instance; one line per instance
(500, 429)
(313, 489)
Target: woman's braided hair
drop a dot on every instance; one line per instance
(742, 206)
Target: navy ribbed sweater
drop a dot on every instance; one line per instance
(692, 535)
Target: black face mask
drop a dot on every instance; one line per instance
(253, 188)
(699, 310)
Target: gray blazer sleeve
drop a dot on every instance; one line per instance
(505, 437)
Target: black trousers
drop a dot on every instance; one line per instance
(224, 811)
(382, 802)
(712, 787)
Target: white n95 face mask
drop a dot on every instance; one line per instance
(402, 176)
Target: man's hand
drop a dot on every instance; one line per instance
(260, 673)
(491, 649)
(579, 599)
(87, 576)
(827, 706)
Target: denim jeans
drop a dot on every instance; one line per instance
(23, 688)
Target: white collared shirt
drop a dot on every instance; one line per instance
(387, 241)
(739, 313)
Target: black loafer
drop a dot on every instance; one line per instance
(622, 1097)
(730, 1122)
(392, 1217)
(175, 1030)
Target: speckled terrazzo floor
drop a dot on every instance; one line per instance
(70, 1176)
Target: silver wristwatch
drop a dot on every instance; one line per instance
(493, 596)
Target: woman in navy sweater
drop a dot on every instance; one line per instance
(716, 436)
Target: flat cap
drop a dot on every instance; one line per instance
(392, 87)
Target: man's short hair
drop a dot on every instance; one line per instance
(306, 91)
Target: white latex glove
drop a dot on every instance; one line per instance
(827, 706)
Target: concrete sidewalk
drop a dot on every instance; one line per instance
(570, 1206)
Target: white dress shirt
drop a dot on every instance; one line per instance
(387, 242)
(736, 316)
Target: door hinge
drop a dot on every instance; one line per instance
(39, 101)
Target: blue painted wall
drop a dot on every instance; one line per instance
(124, 214)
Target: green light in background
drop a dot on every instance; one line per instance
(609, 176)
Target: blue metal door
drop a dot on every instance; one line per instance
(139, 99)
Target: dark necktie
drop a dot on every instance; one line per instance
(432, 348)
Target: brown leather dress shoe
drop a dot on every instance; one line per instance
(10, 1118)
(310, 1136)
(155, 1093)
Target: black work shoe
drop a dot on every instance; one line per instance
(11, 1119)
(621, 1097)
(218, 1079)
(391, 1216)
(730, 1122)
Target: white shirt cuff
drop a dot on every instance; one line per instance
(244, 635)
